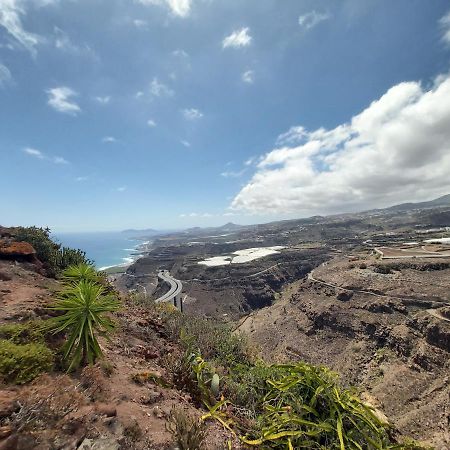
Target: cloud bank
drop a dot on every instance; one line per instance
(397, 149)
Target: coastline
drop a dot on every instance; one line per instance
(138, 252)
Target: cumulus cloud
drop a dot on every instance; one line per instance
(192, 114)
(248, 76)
(180, 8)
(237, 39)
(10, 18)
(33, 152)
(151, 123)
(5, 75)
(185, 143)
(311, 19)
(398, 149)
(445, 25)
(61, 99)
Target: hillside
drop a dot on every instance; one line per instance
(166, 379)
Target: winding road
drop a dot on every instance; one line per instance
(175, 287)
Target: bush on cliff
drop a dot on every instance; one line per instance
(24, 332)
(20, 364)
(54, 257)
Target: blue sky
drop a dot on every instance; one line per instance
(177, 113)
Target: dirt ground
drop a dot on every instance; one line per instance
(117, 404)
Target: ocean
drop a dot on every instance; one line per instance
(106, 249)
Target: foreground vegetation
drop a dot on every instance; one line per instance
(278, 406)
(82, 308)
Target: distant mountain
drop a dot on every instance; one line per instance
(438, 202)
(230, 226)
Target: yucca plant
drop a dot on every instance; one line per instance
(85, 309)
(80, 272)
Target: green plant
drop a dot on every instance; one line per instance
(79, 272)
(302, 406)
(187, 432)
(214, 340)
(24, 332)
(20, 364)
(85, 311)
(54, 257)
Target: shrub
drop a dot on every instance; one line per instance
(22, 363)
(302, 406)
(54, 257)
(214, 340)
(23, 333)
(187, 432)
(85, 308)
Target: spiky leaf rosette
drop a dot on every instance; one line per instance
(85, 311)
(80, 272)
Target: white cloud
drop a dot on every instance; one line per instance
(248, 76)
(398, 149)
(311, 19)
(445, 25)
(60, 98)
(103, 100)
(59, 160)
(179, 53)
(233, 174)
(250, 161)
(194, 214)
(237, 39)
(80, 179)
(185, 143)
(33, 152)
(138, 23)
(40, 155)
(151, 123)
(5, 75)
(158, 89)
(192, 114)
(180, 8)
(109, 140)
(64, 43)
(121, 189)
(10, 18)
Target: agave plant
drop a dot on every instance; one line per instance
(80, 272)
(85, 309)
